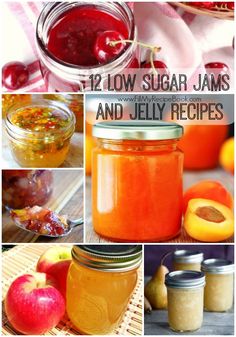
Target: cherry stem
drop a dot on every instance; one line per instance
(153, 49)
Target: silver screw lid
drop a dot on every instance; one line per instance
(187, 256)
(217, 266)
(137, 130)
(185, 279)
(113, 258)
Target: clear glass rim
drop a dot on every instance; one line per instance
(73, 70)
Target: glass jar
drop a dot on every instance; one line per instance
(100, 282)
(219, 290)
(8, 100)
(23, 188)
(39, 133)
(187, 260)
(137, 181)
(75, 103)
(185, 300)
(65, 65)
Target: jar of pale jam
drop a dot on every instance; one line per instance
(69, 39)
(185, 299)
(39, 133)
(26, 188)
(137, 180)
(187, 260)
(219, 290)
(100, 282)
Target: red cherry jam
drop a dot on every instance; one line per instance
(73, 36)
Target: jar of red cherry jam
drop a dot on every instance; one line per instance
(137, 180)
(71, 37)
(23, 188)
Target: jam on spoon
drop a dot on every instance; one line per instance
(40, 220)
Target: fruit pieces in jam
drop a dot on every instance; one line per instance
(41, 137)
(22, 188)
(40, 220)
(39, 119)
(8, 100)
(72, 37)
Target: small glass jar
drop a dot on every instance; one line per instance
(61, 75)
(39, 133)
(219, 290)
(187, 260)
(23, 188)
(185, 291)
(100, 282)
(137, 181)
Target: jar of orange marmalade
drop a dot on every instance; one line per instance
(100, 282)
(137, 180)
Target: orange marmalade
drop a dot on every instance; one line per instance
(137, 181)
(39, 133)
(100, 282)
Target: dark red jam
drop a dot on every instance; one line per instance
(72, 37)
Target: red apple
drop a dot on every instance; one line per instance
(55, 261)
(33, 304)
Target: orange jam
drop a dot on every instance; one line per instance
(39, 133)
(100, 282)
(137, 181)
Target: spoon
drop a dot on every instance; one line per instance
(71, 225)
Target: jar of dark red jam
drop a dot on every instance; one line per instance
(66, 33)
(23, 188)
(137, 180)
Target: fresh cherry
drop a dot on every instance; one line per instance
(14, 75)
(160, 66)
(216, 68)
(103, 50)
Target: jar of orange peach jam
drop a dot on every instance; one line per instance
(187, 260)
(137, 180)
(219, 288)
(185, 299)
(100, 282)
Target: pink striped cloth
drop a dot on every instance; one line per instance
(187, 39)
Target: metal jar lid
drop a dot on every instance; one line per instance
(137, 130)
(113, 258)
(185, 279)
(217, 266)
(187, 256)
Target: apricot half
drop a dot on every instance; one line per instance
(208, 221)
(208, 189)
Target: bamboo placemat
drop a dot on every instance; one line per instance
(22, 259)
(67, 198)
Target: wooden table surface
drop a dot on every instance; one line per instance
(214, 323)
(67, 199)
(189, 179)
(73, 159)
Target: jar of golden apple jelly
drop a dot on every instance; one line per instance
(185, 299)
(39, 133)
(67, 39)
(137, 180)
(187, 260)
(100, 282)
(219, 288)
